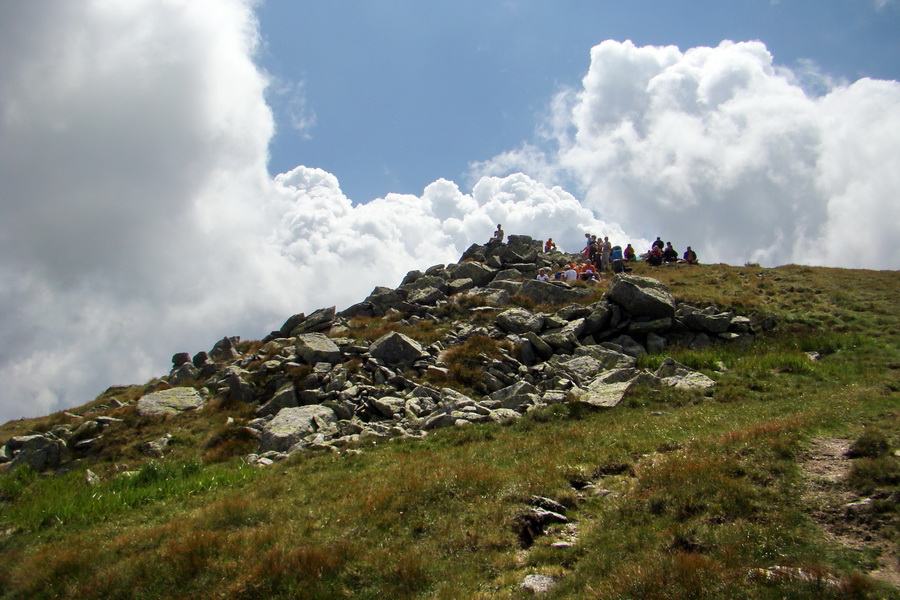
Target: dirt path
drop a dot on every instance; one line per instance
(839, 511)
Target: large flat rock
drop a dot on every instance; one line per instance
(604, 395)
(169, 402)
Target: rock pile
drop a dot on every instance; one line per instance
(318, 391)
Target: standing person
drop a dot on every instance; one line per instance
(605, 251)
(587, 245)
(658, 244)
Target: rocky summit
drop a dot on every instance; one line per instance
(317, 385)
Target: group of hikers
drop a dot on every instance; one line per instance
(601, 255)
(661, 252)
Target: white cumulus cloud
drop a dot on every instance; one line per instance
(718, 148)
(140, 221)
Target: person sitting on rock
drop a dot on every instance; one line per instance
(586, 271)
(550, 246)
(498, 236)
(542, 274)
(658, 244)
(690, 257)
(670, 255)
(655, 256)
(629, 254)
(571, 273)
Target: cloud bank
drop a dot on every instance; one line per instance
(719, 148)
(140, 220)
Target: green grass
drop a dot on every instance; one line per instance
(699, 488)
(69, 500)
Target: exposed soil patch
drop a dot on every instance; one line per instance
(842, 514)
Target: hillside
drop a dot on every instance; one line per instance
(686, 431)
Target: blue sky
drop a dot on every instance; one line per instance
(172, 172)
(406, 92)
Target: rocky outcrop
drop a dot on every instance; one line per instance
(315, 387)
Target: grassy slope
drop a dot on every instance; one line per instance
(703, 487)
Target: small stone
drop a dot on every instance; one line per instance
(538, 584)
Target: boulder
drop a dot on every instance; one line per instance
(645, 326)
(561, 342)
(675, 374)
(157, 447)
(709, 322)
(381, 299)
(411, 277)
(284, 397)
(184, 374)
(629, 346)
(642, 296)
(397, 349)
(581, 368)
(289, 325)
(224, 350)
(360, 309)
(320, 320)
(169, 402)
(426, 281)
(508, 285)
(600, 394)
(541, 348)
(390, 406)
(545, 292)
(519, 320)
(492, 296)
(609, 355)
(427, 296)
(291, 425)
(656, 344)
(88, 429)
(479, 273)
(316, 347)
(460, 285)
(40, 452)
(508, 274)
(516, 395)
